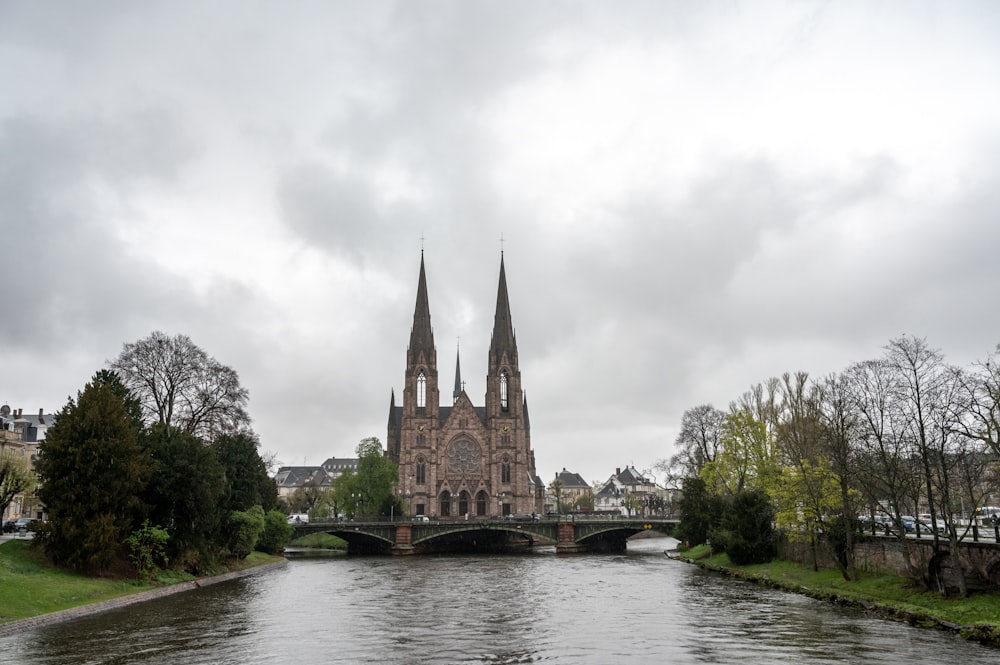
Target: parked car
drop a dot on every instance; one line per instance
(298, 518)
(25, 524)
(525, 517)
(421, 518)
(8, 526)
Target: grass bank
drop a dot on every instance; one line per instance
(31, 587)
(323, 541)
(975, 618)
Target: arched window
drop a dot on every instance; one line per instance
(482, 502)
(445, 504)
(463, 502)
(421, 390)
(421, 471)
(503, 391)
(505, 470)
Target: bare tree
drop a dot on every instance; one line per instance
(179, 385)
(981, 397)
(698, 442)
(884, 471)
(839, 427)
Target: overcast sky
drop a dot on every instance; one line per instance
(693, 197)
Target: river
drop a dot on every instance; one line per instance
(637, 607)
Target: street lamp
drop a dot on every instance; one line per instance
(500, 496)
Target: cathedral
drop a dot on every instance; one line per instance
(457, 460)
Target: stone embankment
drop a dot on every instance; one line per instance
(92, 609)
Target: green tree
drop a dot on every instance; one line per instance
(186, 494)
(247, 482)
(700, 512)
(276, 532)
(92, 470)
(746, 457)
(366, 492)
(245, 528)
(747, 528)
(15, 477)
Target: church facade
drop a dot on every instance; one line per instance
(457, 460)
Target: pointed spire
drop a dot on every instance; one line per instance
(422, 335)
(503, 329)
(458, 376)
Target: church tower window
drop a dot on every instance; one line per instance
(503, 391)
(421, 471)
(505, 470)
(421, 390)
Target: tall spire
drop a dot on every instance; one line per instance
(422, 335)
(458, 377)
(502, 341)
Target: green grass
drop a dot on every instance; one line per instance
(29, 586)
(320, 541)
(895, 597)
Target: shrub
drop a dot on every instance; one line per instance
(276, 532)
(148, 549)
(246, 525)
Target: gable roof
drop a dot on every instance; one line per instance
(571, 480)
(301, 476)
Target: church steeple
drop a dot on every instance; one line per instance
(420, 395)
(503, 346)
(421, 334)
(458, 377)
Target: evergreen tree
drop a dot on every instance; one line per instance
(700, 512)
(247, 482)
(186, 494)
(748, 525)
(92, 469)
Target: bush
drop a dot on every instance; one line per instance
(148, 549)
(748, 528)
(276, 532)
(246, 525)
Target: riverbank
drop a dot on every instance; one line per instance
(34, 594)
(976, 618)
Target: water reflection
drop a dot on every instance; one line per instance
(636, 607)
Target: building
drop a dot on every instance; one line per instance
(307, 479)
(566, 490)
(457, 459)
(20, 435)
(335, 466)
(628, 492)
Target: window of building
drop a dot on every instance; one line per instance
(445, 504)
(420, 509)
(463, 502)
(503, 390)
(421, 390)
(421, 471)
(482, 501)
(505, 470)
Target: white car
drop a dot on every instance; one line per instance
(298, 518)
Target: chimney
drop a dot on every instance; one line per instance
(618, 471)
(41, 416)
(19, 412)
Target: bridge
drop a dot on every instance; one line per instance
(567, 533)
